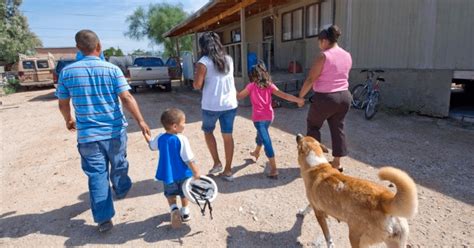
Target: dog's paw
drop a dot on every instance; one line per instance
(300, 213)
(303, 211)
(320, 242)
(331, 244)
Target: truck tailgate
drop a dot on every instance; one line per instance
(148, 73)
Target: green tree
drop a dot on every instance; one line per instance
(118, 52)
(112, 52)
(15, 34)
(154, 22)
(140, 52)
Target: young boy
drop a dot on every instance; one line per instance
(176, 162)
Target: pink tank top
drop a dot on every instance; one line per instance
(335, 71)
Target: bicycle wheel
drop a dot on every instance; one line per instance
(372, 105)
(359, 95)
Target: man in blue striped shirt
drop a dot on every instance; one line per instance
(94, 87)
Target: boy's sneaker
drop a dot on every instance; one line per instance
(186, 217)
(185, 214)
(176, 218)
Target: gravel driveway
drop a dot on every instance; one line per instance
(45, 201)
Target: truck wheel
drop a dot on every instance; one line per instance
(168, 87)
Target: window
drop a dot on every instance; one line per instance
(148, 62)
(28, 65)
(267, 27)
(312, 20)
(42, 64)
(326, 14)
(292, 25)
(235, 35)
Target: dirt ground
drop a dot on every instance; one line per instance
(45, 199)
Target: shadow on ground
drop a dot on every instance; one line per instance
(48, 96)
(435, 154)
(255, 181)
(239, 236)
(61, 222)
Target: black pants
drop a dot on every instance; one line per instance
(332, 107)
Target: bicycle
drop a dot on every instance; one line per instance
(368, 95)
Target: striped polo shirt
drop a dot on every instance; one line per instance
(93, 86)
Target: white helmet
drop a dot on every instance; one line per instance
(201, 191)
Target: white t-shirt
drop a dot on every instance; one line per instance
(219, 93)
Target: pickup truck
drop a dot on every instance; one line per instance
(149, 72)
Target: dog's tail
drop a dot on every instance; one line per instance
(405, 201)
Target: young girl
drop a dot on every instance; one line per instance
(260, 90)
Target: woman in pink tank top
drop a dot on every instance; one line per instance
(328, 78)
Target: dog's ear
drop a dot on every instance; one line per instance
(303, 147)
(324, 148)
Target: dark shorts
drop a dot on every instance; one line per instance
(226, 120)
(174, 189)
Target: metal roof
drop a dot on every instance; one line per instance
(219, 13)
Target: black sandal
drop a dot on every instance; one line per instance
(275, 177)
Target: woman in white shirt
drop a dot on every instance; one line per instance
(215, 76)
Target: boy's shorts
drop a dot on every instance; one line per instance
(174, 189)
(226, 120)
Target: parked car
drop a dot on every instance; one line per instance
(35, 71)
(174, 67)
(60, 64)
(149, 72)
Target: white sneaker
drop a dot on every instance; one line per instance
(185, 214)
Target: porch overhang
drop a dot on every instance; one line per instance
(219, 13)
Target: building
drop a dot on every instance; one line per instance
(421, 44)
(58, 52)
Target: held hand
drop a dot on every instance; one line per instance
(145, 129)
(147, 137)
(301, 102)
(71, 125)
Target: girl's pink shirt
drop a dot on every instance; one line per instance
(261, 99)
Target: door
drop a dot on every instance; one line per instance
(268, 45)
(44, 70)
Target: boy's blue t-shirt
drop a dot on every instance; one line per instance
(175, 153)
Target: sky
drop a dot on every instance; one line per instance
(57, 21)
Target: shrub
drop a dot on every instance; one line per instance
(11, 86)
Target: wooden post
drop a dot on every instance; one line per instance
(243, 42)
(179, 61)
(177, 47)
(269, 57)
(196, 54)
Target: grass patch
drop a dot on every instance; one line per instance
(11, 86)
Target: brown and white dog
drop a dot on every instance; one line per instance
(374, 213)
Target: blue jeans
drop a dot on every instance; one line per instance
(263, 137)
(226, 120)
(95, 159)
